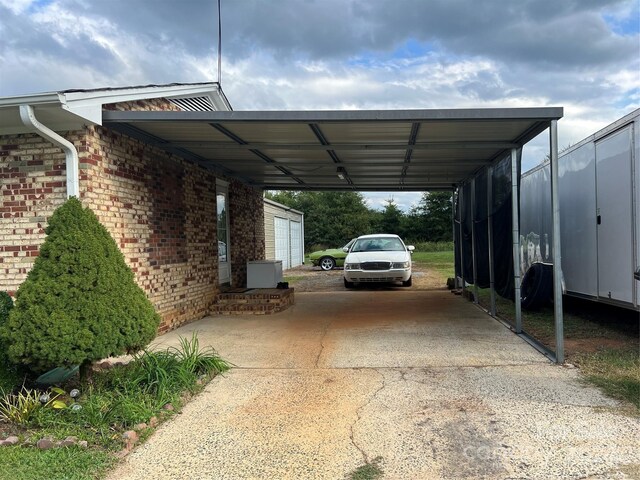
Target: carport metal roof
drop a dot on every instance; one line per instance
(383, 150)
(364, 150)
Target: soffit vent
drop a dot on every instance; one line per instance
(193, 104)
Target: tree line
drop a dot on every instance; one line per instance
(331, 219)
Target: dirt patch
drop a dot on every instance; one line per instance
(592, 345)
(307, 278)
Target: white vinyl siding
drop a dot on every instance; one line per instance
(284, 234)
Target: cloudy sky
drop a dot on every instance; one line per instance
(583, 55)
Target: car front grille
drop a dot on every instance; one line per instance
(379, 279)
(375, 266)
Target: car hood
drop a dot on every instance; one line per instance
(361, 257)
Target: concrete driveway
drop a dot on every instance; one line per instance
(424, 381)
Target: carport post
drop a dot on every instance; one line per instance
(473, 241)
(461, 204)
(557, 261)
(490, 238)
(516, 238)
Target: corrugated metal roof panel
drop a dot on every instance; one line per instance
(377, 150)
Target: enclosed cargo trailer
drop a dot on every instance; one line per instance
(599, 195)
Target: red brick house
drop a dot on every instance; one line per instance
(168, 213)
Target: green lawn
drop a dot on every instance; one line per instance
(442, 262)
(111, 402)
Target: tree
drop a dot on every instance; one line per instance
(80, 302)
(330, 218)
(431, 218)
(390, 221)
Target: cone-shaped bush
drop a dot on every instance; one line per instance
(80, 302)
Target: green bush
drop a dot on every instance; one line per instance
(6, 304)
(80, 302)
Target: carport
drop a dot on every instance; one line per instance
(465, 151)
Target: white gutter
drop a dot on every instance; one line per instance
(73, 181)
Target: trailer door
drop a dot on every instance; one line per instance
(614, 216)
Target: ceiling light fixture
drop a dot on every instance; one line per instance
(341, 173)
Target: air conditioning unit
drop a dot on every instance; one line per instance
(264, 273)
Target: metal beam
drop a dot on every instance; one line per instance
(557, 257)
(317, 131)
(541, 115)
(473, 241)
(365, 163)
(462, 145)
(461, 206)
(515, 220)
(441, 187)
(239, 141)
(492, 288)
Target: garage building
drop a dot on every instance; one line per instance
(283, 234)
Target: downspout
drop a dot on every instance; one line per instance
(73, 182)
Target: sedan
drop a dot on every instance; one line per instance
(378, 258)
(330, 259)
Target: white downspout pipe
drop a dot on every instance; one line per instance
(73, 181)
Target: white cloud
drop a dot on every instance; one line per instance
(339, 54)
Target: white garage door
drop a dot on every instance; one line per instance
(296, 243)
(282, 241)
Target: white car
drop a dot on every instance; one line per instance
(378, 258)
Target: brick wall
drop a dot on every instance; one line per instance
(159, 208)
(32, 186)
(246, 226)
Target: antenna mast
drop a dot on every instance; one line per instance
(219, 46)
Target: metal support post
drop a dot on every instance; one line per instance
(455, 241)
(461, 205)
(473, 241)
(516, 238)
(490, 238)
(557, 261)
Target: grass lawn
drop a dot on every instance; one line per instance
(112, 401)
(442, 262)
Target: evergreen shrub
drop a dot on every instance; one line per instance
(6, 304)
(80, 302)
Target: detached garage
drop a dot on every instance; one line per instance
(284, 234)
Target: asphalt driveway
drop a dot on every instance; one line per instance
(422, 380)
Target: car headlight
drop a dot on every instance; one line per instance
(352, 266)
(400, 265)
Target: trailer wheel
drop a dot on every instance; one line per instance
(537, 286)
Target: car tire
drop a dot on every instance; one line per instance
(407, 283)
(347, 283)
(327, 263)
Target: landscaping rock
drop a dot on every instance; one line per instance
(12, 440)
(68, 442)
(130, 437)
(83, 444)
(45, 444)
(153, 422)
(168, 407)
(140, 426)
(106, 365)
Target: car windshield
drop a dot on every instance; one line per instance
(348, 245)
(383, 244)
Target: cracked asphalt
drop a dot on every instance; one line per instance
(422, 379)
